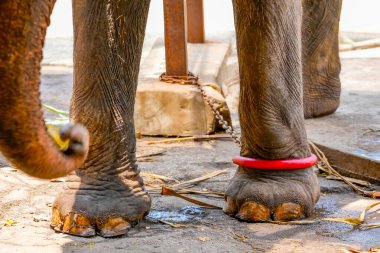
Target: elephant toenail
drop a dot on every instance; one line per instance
(289, 211)
(252, 211)
(114, 227)
(230, 207)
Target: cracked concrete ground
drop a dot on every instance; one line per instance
(27, 201)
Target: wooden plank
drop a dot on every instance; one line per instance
(195, 21)
(175, 37)
(352, 165)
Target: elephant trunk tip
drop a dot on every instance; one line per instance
(73, 157)
(78, 138)
(46, 161)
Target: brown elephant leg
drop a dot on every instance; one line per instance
(320, 53)
(271, 114)
(106, 195)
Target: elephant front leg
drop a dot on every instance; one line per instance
(271, 113)
(106, 195)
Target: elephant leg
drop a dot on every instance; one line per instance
(106, 195)
(271, 115)
(320, 53)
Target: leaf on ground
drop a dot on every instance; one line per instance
(358, 221)
(9, 222)
(368, 208)
(204, 239)
(348, 220)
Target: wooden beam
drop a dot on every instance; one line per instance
(175, 37)
(352, 165)
(195, 21)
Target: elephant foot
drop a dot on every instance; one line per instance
(108, 208)
(264, 195)
(321, 97)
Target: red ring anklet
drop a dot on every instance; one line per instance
(289, 164)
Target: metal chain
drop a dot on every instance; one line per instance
(191, 79)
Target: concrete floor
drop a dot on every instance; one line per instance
(25, 198)
(355, 126)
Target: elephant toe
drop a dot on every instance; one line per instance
(230, 208)
(114, 227)
(72, 223)
(253, 212)
(288, 211)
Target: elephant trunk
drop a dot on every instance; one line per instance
(24, 140)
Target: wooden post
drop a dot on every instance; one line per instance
(195, 21)
(175, 37)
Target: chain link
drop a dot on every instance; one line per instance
(193, 80)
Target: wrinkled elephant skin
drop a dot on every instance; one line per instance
(287, 61)
(289, 69)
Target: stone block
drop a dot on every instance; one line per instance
(175, 109)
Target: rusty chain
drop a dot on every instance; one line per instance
(193, 80)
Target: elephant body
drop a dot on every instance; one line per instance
(289, 69)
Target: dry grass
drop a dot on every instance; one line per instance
(360, 220)
(327, 168)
